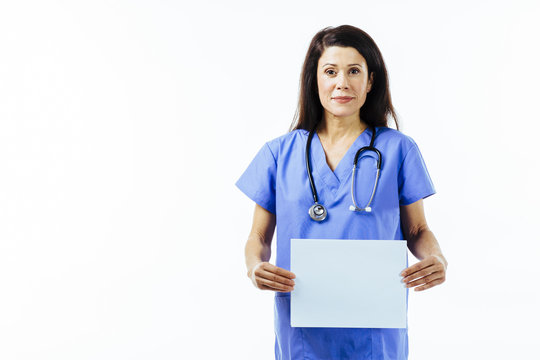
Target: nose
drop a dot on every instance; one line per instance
(342, 81)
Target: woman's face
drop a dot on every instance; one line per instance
(342, 71)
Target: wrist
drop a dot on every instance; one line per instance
(441, 258)
(251, 267)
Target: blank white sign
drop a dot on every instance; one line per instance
(348, 283)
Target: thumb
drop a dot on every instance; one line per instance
(253, 271)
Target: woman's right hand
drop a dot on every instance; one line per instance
(266, 276)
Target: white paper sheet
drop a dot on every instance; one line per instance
(348, 283)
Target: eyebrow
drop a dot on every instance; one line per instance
(336, 65)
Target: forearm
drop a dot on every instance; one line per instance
(425, 244)
(256, 251)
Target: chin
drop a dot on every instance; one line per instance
(342, 113)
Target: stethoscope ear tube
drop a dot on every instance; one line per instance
(366, 148)
(355, 207)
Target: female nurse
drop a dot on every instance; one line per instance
(344, 103)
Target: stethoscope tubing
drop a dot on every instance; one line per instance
(317, 211)
(308, 162)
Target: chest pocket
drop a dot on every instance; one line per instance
(364, 179)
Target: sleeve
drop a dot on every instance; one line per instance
(414, 180)
(258, 181)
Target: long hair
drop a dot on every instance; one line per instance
(378, 104)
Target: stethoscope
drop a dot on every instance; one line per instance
(317, 211)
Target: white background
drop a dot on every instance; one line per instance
(125, 124)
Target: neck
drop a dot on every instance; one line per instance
(334, 129)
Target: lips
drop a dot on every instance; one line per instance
(342, 99)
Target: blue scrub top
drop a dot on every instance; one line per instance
(277, 180)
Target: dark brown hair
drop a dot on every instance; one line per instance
(378, 103)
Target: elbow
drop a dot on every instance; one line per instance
(258, 237)
(415, 231)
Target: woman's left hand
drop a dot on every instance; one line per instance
(427, 273)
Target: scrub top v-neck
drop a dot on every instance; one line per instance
(277, 180)
(335, 179)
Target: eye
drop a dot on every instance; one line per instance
(331, 72)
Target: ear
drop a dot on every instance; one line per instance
(370, 81)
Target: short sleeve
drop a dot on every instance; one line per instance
(414, 180)
(258, 181)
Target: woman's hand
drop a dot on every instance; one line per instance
(427, 273)
(266, 276)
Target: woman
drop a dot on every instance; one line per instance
(343, 106)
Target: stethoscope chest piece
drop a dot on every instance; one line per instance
(317, 212)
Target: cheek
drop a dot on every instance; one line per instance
(360, 85)
(325, 89)
(323, 83)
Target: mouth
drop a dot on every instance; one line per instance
(342, 99)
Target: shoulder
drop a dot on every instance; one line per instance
(395, 139)
(394, 136)
(287, 142)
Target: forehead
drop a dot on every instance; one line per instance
(341, 56)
